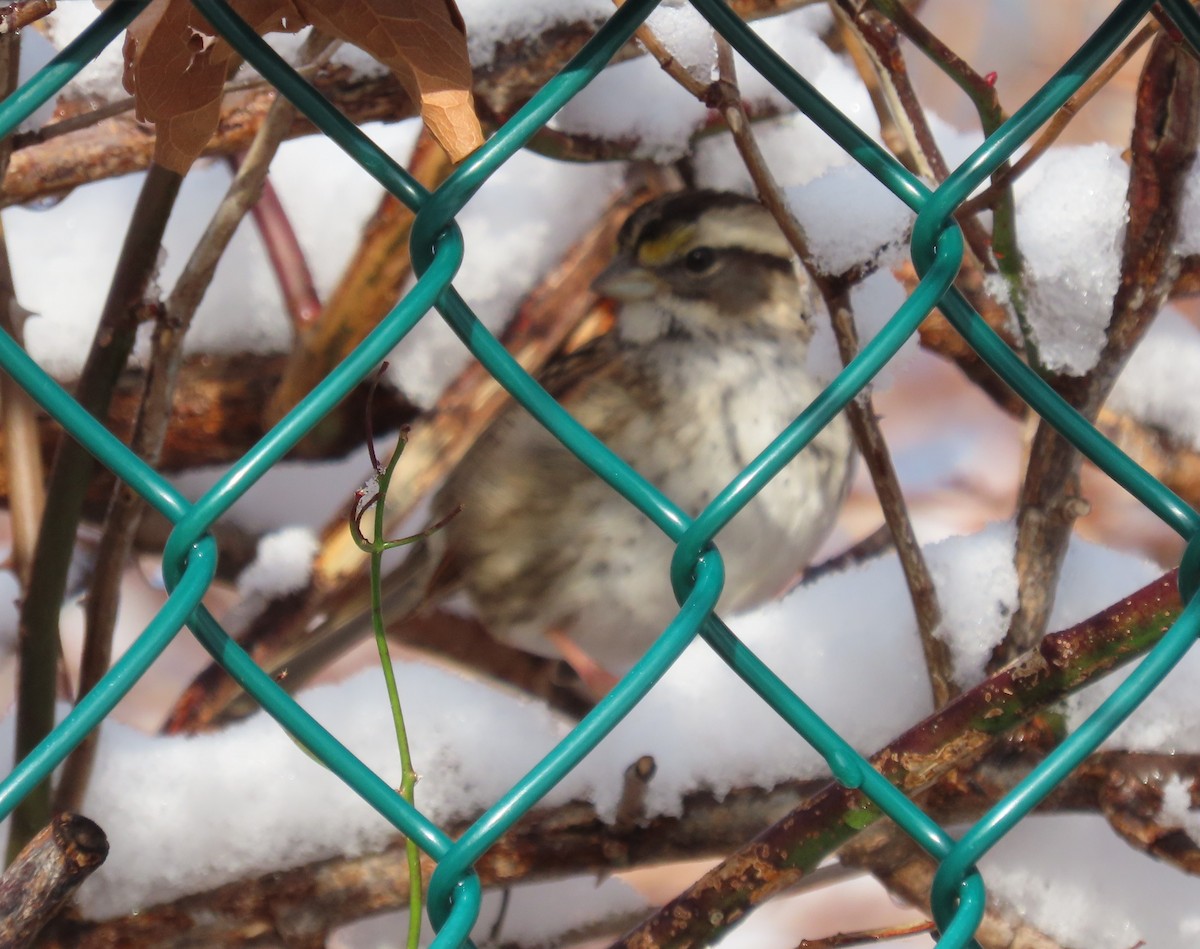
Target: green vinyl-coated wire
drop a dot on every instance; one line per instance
(697, 570)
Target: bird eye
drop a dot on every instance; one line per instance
(700, 260)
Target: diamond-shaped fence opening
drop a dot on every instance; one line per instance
(864, 791)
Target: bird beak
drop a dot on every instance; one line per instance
(626, 281)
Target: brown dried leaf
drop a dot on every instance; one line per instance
(176, 64)
(424, 43)
(175, 67)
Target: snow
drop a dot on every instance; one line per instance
(635, 101)
(329, 231)
(1154, 385)
(1065, 910)
(1169, 719)
(81, 236)
(506, 254)
(1075, 878)
(263, 803)
(242, 310)
(973, 622)
(794, 148)
(1177, 808)
(490, 24)
(100, 80)
(214, 808)
(686, 36)
(282, 565)
(851, 220)
(1071, 214)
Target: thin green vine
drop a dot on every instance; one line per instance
(373, 496)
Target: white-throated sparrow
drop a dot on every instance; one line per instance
(705, 367)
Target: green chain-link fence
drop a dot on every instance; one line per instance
(437, 248)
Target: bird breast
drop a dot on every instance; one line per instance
(543, 543)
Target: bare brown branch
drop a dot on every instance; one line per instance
(118, 145)
(879, 39)
(45, 874)
(306, 902)
(907, 871)
(869, 937)
(14, 17)
(217, 414)
(1164, 145)
(1131, 798)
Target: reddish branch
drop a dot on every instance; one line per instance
(1163, 148)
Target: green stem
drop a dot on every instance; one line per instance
(408, 776)
(982, 93)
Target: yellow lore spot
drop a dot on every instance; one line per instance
(657, 252)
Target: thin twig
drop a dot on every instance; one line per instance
(859, 412)
(166, 358)
(631, 807)
(887, 68)
(1004, 178)
(866, 937)
(981, 90)
(72, 470)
